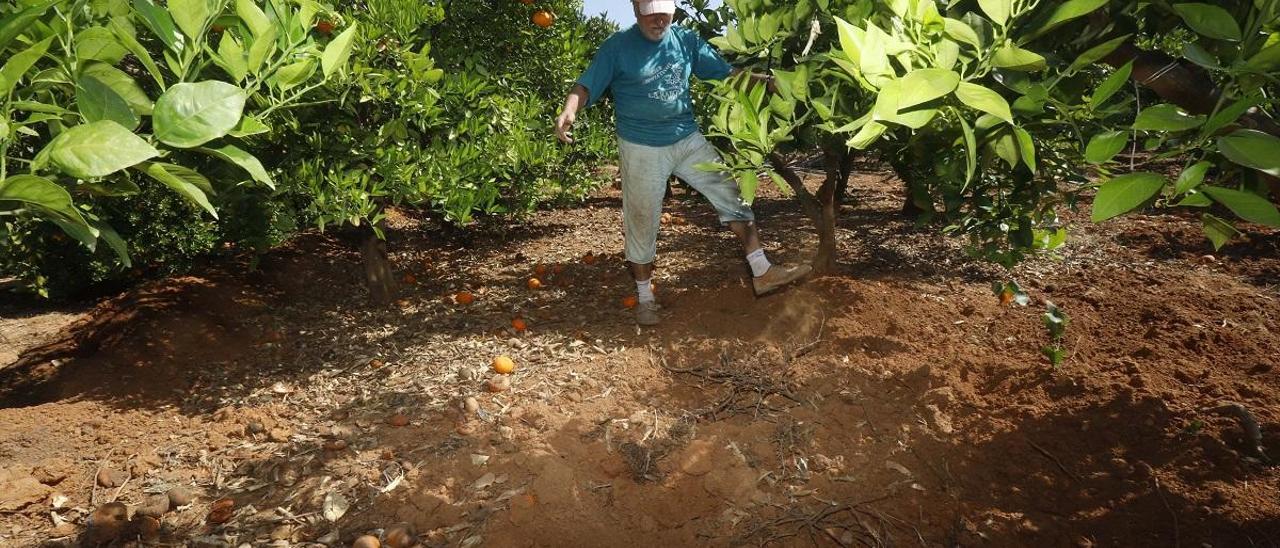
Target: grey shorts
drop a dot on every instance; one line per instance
(645, 171)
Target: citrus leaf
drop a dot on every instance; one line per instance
(191, 114)
(1252, 148)
(985, 100)
(337, 52)
(1104, 146)
(97, 149)
(1209, 20)
(1125, 193)
(1247, 205)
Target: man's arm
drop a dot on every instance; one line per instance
(577, 97)
(757, 79)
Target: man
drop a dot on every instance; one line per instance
(648, 67)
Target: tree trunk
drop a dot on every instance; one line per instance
(842, 185)
(1189, 87)
(378, 274)
(820, 208)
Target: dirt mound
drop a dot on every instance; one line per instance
(895, 402)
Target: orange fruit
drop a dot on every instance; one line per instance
(464, 298)
(324, 27)
(504, 365)
(398, 420)
(540, 270)
(589, 258)
(409, 279)
(1006, 296)
(534, 283)
(630, 301)
(366, 541)
(543, 18)
(519, 324)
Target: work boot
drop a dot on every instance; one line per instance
(778, 276)
(647, 314)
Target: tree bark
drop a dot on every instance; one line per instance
(378, 274)
(820, 208)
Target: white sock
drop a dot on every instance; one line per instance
(644, 291)
(759, 264)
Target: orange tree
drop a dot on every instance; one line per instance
(994, 112)
(127, 126)
(448, 110)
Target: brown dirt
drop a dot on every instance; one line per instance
(895, 403)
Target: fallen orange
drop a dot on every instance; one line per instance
(464, 298)
(504, 365)
(519, 324)
(534, 283)
(630, 301)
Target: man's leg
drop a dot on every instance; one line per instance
(724, 195)
(644, 181)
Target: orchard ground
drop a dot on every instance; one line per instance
(897, 402)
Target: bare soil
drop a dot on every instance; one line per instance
(897, 402)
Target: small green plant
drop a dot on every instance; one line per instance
(1056, 322)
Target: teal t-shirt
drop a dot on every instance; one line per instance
(650, 81)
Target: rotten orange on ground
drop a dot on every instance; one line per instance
(519, 324)
(464, 298)
(398, 420)
(630, 301)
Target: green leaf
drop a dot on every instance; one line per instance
(231, 57)
(137, 50)
(337, 53)
(985, 100)
(1104, 146)
(1096, 53)
(189, 115)
(123, 84)
(1111, 85)
(748, 182)
(114, 241)
(997, 11)
(293, 74)
(867, 135)
(249, 126)
(961, 32)
(12, 26)
(1247, 205)
(1194, 199)
(261, 49)
(1067, 11)
(191, 16)
(1191, 177)
(122, 187)
(1166, 117)
(1125, 193)
(247, 161)
(1228, 115)
(30, 189)
(254, 18)
(1209, 20)
(1026, 147)
(1007, 148)
(184, 181)
(923, 85)
(100, 44)
(160, 23)
(1015, 58)
(97, 101)
(19, 64)
(971, 150)
(1218, 231)
(1252, 148)
(97, 149)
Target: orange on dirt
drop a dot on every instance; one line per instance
(519, 325)
(589, 258)
(543, 18)
(397, 420)
(504, 365)
(366, 541)
(1006, 297)
(540, 270)
(630, 301)
(533, 283)
(464, 298)
(409, 279)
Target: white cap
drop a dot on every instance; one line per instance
(650, 7)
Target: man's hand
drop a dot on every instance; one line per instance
(564, 123)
